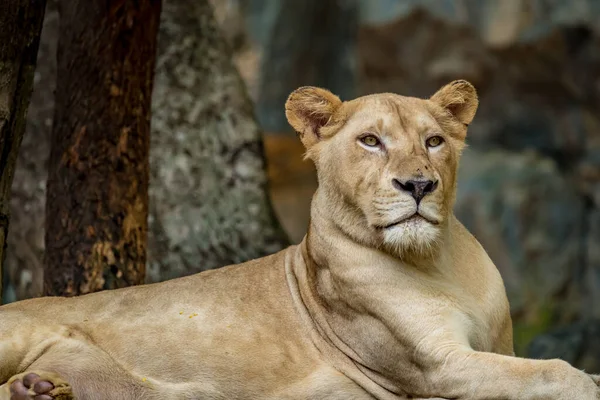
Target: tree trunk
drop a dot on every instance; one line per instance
(23, 266)
(97, 193)
(20, 26)
(209, 202)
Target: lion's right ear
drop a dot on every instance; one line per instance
(308, 109)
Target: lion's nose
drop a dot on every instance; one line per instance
(418, 189)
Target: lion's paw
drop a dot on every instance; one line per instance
(39, 386)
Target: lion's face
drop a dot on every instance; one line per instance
(394, 164)
(386, 163)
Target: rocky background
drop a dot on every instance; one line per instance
(529, 185)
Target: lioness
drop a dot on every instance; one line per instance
(387, 297)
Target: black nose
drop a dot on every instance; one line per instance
(418, 189)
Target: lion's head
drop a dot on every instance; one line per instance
(386, 163)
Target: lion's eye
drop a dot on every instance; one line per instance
(434, 141)
(370, 140)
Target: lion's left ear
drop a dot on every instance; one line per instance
(460, 98)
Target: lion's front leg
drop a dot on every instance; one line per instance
(479, 375)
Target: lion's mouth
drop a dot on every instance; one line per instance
(415, 217)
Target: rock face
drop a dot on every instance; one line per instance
(302, 42)
(209, 202)
(523, 212)
(577, 343)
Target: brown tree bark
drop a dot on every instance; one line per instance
(97, 193)
(20, 26)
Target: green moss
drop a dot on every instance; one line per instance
(535, 323)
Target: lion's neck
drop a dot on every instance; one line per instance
(332, 274)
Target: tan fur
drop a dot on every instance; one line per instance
(361, 309)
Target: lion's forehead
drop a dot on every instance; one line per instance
(391, 114)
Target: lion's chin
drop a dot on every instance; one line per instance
(415, 234)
